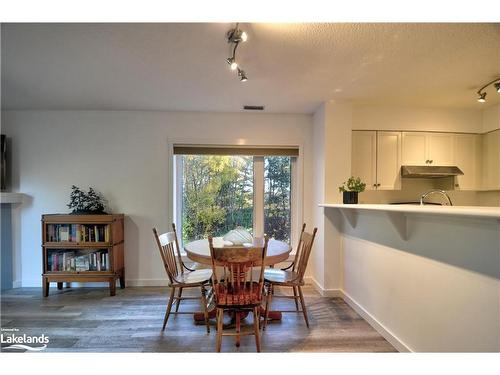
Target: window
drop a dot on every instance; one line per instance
(216, 191)
(277, 197)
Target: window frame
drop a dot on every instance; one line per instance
(174, 183)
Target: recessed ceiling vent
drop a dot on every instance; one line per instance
(253, 107)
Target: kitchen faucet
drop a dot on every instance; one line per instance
(435, 191)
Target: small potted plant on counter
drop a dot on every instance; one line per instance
(350, 190)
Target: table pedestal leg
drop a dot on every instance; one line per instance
(200, 317)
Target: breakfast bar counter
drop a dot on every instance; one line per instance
(469, 211)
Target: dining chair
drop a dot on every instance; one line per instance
(292, 276)
(236, 287)
(180, 276)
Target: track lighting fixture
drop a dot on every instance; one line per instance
(234, 37)
(482, 95)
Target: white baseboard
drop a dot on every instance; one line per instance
(146, 282)
(29, 283)
(17, 284)
(128, 282)
(379, 327)
(324, 292)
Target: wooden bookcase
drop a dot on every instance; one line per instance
(82, 248)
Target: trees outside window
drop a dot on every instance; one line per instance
(217, 193)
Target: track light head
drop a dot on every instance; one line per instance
(497, 87)
(242, 75)
(236, 35)
(482, 97)
(232, 63)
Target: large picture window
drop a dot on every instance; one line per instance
(218, 190)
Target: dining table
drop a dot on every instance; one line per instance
(199, 251)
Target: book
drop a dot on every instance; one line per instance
(78, 233)
(82, 263)
(63, 233)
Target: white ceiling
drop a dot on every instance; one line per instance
(292, 68)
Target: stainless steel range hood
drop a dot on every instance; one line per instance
(429, 171)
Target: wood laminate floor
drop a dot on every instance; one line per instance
(89, 320)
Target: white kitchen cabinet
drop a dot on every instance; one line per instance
(376, 159)
(364, 157)
(441, 148)
(414, 148)
(467, 148)
(491, 160)
(388, 160)
(423, 148)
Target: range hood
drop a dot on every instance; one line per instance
(429, 171)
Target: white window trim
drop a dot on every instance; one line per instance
(297, 188)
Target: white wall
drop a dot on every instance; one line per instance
(491, 119)
(124, 155)
(317, 257)
(332, 165)
(380, 117)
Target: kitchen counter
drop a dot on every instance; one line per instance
(469, 211)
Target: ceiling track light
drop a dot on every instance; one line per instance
(234, 37)
(482, 95)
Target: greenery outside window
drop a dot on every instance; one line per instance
(217, 190)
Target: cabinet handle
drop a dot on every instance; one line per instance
(427, 161)
(374, 185)
(457, 185)
(430, 161)
(378, 185)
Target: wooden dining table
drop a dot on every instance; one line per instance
(199, 251)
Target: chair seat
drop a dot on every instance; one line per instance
(247, 295)
(195, 277)
(278, 276)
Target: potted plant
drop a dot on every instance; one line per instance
(82, 202)
(350, 190)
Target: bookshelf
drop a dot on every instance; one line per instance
(82, 248)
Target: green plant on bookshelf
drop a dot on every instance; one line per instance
(82, 202)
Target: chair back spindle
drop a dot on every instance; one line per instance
(167, 245)
(297, 252)
(304, 250)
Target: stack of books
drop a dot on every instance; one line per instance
(77, 233)
(77, 262)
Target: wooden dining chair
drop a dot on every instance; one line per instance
(235, 286)
(292, 276)
(180, 276)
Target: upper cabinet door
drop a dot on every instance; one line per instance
(414, 148)
(466, 158)
(364, 157)
(441, 148)
(491, 161)
(388, 160)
